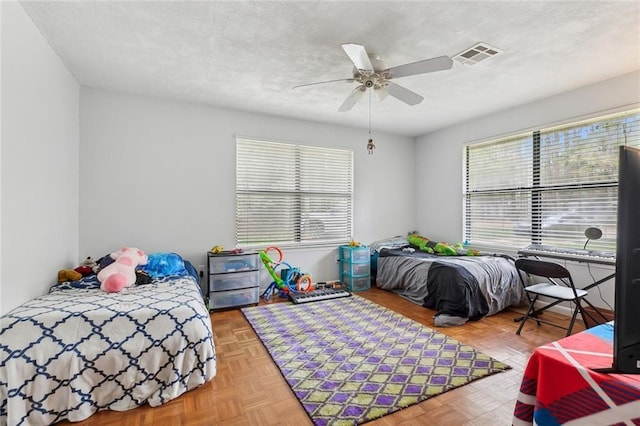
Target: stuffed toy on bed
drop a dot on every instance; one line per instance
(122, 272)
(87, 267)
(428, 246)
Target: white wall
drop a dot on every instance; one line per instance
(1, 120)
(439, 156)
(39, 164)
(160, 176)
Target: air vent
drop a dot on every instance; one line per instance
(475, 54)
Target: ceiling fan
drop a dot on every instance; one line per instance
(370, 73)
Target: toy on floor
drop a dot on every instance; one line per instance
(290, 280)
(121, 273)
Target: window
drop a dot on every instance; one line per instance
(292, 195)
(547, 186)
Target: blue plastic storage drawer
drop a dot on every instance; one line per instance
(356, 283)
(358, 269)
(355, 254)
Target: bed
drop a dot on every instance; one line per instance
(78, 349)
(458, 288)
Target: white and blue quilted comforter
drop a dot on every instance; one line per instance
(74, 351)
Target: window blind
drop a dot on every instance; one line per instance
(289, 194)
(547, 186)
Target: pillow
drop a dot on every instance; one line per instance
(163, 264)
(104, 261)
(394, 242)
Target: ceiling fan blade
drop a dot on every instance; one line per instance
(405, 95)
(382, 93)
(347, 80)
(428, 65)
(358, 55)
(353, 98)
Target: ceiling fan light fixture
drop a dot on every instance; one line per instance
(476, 53)
(370, 73)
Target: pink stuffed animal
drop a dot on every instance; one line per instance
(121, 273)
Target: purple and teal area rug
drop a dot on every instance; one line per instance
(350, 360)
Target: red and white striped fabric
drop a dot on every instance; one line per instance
(560, 387)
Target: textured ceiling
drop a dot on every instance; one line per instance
(247, 55)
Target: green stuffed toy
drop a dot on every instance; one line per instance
(428, 246)
(468, 252)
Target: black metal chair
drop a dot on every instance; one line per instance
(557, 286)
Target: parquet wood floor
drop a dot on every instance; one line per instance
(249, 390)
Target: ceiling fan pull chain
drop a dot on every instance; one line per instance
(369, 113)
(370, 145)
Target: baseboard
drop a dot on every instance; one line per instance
(563, 310)
(606, 312)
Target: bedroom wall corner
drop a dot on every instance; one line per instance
(161, 175)
(39, 164)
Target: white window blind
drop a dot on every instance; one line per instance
(292, 195)
(548, 186)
